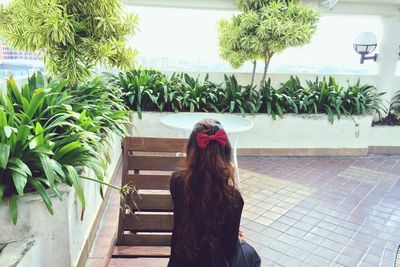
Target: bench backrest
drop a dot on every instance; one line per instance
(147, 219)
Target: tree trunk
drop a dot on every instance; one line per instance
(266, 61)
(254, 72)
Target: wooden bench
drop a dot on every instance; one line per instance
(146, 221)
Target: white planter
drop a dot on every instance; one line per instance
(292, 135)
(59, 239)
(384, 139)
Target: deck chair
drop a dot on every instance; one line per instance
(146, 221)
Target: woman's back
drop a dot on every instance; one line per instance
(225, 234)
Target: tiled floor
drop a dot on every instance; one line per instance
(322, 211)
(310, 211)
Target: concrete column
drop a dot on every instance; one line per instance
(388, 57)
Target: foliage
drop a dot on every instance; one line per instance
(263, 29)
(181, 92)
(239, 98)
(75, 36)
(395, 105)
(140, 88)
(50, 134)
(393, 116)
(276, 101)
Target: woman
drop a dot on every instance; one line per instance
(207, 205)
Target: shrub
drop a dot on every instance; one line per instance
(393, 116)
(181, 92)
(50, 134)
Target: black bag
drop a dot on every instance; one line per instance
(246, 256)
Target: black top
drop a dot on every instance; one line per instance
(227, 239)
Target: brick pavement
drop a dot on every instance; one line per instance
(322, 211)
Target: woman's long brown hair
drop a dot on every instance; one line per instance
(209, 192)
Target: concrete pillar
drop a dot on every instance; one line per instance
(388, 57)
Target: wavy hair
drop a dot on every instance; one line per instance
(209, 192)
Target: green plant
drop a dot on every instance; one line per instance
(263, 29)
(141, 88)
(182, 92)
(395, 104)
(194, 94)
(74, 36)
(234, 95)
(275, 101)
(48, 138)
(365, 100)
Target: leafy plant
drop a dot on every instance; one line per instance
(74, 36)
(49, 136)
(275, 101)
(182, 92)
(239, 98)
(140, 88)
(395, 104)
(393, 114)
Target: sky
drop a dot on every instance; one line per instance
(191, 34)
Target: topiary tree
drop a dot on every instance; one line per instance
(74, 36)
(264, 28)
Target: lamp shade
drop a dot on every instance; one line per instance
(365, 43)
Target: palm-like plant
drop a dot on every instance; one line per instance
(141, 88)
(395, 105)
(48, 137)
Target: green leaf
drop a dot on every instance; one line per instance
(66, 149)
(4, 155)
(20, 165)
(48, 169)
(3, 117)
(19, 182)
(14, 209)
(8, 131)
(232, 107)
(39, 80)
(43, 193)
(39, 134)
(36, 101)
(75, 179)
(2, 192)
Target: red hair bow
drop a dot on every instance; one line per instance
(219, 136)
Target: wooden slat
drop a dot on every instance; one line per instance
(145, 240)
(156, 182)
(155, 163)
(149, 222)
(148, 201)
(139, 262)
(142, 251)
(149, 144)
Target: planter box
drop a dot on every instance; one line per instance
(384, 140)
(61, 239)
(294, 135)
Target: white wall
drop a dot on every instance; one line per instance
(293, 131)
(61, 237)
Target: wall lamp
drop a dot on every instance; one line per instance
(364, 45)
